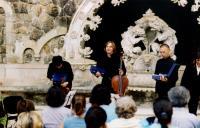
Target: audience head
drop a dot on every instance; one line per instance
(125, 107)
(163, 111)
(95, 117)
(25, 105)
(78, 104)
(179, 96)
(100, 95)
(55, 97)
(164, 50)
(29, 120)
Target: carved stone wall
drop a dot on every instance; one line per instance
(2, 36)
(30, 25)
(36, 30)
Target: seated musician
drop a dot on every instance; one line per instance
(60, 72)
(111, 63)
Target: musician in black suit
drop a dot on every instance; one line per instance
(163, 66)
(191, 80)
(60, 67)
(110, 61)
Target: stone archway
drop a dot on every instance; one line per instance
(82, 18)
(9, 17)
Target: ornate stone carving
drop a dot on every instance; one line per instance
(93, 21)
(85, 52)
(52, 48)
(28, 56)
(2, 29)
(76, 35)
(145, 63)
(117, 2)
(143, 40)
(182, 3)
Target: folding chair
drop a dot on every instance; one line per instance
(10, 107)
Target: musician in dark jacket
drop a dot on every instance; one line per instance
(60, 67)
(191, 80)
(163, 66)
(110, 62)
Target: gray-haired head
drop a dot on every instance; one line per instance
(179, 96)
(125, 107)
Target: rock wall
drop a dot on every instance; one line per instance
(23, 23)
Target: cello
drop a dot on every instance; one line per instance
(120, 82)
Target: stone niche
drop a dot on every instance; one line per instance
(27, 60)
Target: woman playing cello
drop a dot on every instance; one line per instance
(111, 62)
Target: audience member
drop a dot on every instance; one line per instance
(78, 108)
(179, 97)
(29, 120)
(125, 109)
(25, 105)
(95, 117)
(163, 112)
(53, 115)
(100, 96)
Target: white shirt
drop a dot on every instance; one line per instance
(198, 69)
(124, 123)
(183, 119)
(53, 117)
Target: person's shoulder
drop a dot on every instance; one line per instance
(66, 63)
(50, 64)
(160, 60)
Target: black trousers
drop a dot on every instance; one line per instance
(106, 81)
(162, 90)
(193, 103)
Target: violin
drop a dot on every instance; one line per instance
(120, 82)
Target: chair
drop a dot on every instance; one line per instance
(10, 107)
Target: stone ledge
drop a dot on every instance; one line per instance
(26, 89)
(39, 89)
(43, 89)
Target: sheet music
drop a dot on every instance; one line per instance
(68, 98)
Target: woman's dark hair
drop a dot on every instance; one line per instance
(25, 105)
(78, 104)
(163, 111)
(95, 117)
(100, 95)
(55, 97)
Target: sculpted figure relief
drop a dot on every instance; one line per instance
(145, 38)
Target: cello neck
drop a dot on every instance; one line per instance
(120, 76)
(121, 61)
